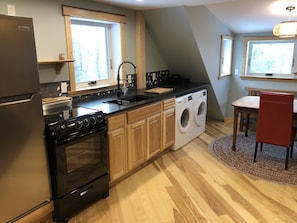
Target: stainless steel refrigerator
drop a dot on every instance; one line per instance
(24, 175)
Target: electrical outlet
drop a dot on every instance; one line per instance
(129, 79)
(63, 87)
(154, 76)
(11, 10)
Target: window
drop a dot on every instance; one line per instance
(90, 44)
(270, 57)
(95, 42)
(226, 56)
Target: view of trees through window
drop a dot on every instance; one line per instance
(90, 50)
(95, 42)
(275, 57)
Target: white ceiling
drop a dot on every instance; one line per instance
(241, 16)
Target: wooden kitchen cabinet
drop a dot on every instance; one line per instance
(136, 144)
(168, 115)
(144, 134)
(154, 135)
(117, 146)
(136, 136)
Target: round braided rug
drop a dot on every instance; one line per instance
(270, 164)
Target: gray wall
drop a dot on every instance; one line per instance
(237, 87)
(185, 40)
(50, 37)
(189, 41)
(207, 30)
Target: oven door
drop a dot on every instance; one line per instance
(79, 161)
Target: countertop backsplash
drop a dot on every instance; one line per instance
(153, 79)
(52, 90)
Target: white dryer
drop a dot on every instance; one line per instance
(183, 120)
(199, 113)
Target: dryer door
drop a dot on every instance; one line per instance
(184, 119)
(200, 113)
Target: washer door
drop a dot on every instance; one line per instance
(184, 120)
(200, 113)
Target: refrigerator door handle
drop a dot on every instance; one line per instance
(17, 102)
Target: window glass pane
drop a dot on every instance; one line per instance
(227, 55)
(271, 57)
(89, 42)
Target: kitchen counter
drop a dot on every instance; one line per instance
(99, 102)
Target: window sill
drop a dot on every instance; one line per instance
(270, 78)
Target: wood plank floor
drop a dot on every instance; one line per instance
(189, 185)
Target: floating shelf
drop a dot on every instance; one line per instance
(58, 63)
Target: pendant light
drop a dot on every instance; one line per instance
(286, 29)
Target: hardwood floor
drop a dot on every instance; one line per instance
(189, 185)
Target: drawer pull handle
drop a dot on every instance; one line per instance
(85, 191)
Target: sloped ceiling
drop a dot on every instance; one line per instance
(180, 39)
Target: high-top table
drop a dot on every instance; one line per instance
(248, 105)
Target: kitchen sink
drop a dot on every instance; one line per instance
(128, 100)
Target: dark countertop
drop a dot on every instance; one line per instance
(99, 102)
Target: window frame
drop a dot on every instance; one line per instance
(117, 20)
(223, 54)
(107, 27)
(246, 50)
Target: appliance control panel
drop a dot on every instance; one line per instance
(77, 126)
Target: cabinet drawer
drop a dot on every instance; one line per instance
(143, 112)
(116, 121)
(168, 104)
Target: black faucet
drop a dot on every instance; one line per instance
(119, 91)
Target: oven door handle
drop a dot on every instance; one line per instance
(83, 193)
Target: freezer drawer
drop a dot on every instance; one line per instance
(24, 173)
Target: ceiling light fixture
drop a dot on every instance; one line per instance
(288, 28)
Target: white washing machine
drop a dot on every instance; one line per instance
(183, 120)
(199, 113)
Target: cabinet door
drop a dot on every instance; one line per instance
(154, 135)
(168, 128)
(117, 153)
(136, 144)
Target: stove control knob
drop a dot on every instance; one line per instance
(100, 118)
(86, 122)
(93, 120)
(78, 124)
(61, 128)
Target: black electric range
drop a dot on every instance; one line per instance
(78, 155)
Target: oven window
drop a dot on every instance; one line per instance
(84, 153)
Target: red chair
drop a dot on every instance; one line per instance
(275, 122)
